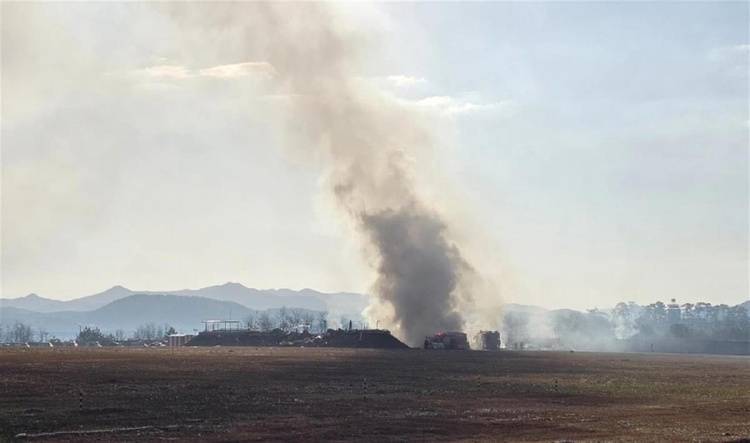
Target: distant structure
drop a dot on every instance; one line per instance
(221, 325)
(174, 340)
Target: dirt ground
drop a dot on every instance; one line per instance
(263, 394)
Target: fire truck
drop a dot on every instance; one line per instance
(447, 340)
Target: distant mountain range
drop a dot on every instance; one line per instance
(122, 308)
(184, 313)
(252, 298)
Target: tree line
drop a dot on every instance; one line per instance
(294, 319)
(20, 332)
(287, 320)
(602, 328)
(699, 320)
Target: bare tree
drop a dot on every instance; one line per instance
(265, 323)
(251, 320)
(308, 318)
(284, 320)
(42, 334)
(6, 335)
(322, 321)
(295, 318)
(344, 322)
(21, 333)
(515, 326)
(149, 331)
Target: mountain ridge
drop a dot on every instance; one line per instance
(252, 298)
(183, 312)
(122, 308)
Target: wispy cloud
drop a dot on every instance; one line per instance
(165, 71)
(238, 70)
(452, 106)
(228, 71)
(405, 81)
(724, 53)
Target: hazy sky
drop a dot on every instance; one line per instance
(599, 150)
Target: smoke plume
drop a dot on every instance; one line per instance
(367, 141)
(418, 269)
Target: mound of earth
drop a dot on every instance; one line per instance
(366, 338)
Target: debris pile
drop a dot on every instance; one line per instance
(334, 338)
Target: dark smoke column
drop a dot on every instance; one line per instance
(417, 273)
(370, 144)
(367, 141)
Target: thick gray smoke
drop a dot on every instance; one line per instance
(418, 270)
(366, 140)
(366, 137)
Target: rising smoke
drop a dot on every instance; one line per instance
(418, 270)
(366, 140)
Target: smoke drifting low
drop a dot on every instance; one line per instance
(366, 141)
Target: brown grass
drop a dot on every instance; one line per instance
(318, 394)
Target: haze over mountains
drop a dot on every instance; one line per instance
(236, 292)
(122, 308)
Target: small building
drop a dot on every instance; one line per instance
(178, 339)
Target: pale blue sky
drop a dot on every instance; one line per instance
(622, 168)
(600, 147)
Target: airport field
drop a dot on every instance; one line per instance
(307, 394)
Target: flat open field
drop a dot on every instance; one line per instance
(319, 394)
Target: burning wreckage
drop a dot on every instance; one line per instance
(447, 340)
(225, 333)
(485, 340)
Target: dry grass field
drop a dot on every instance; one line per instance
(369, 395)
